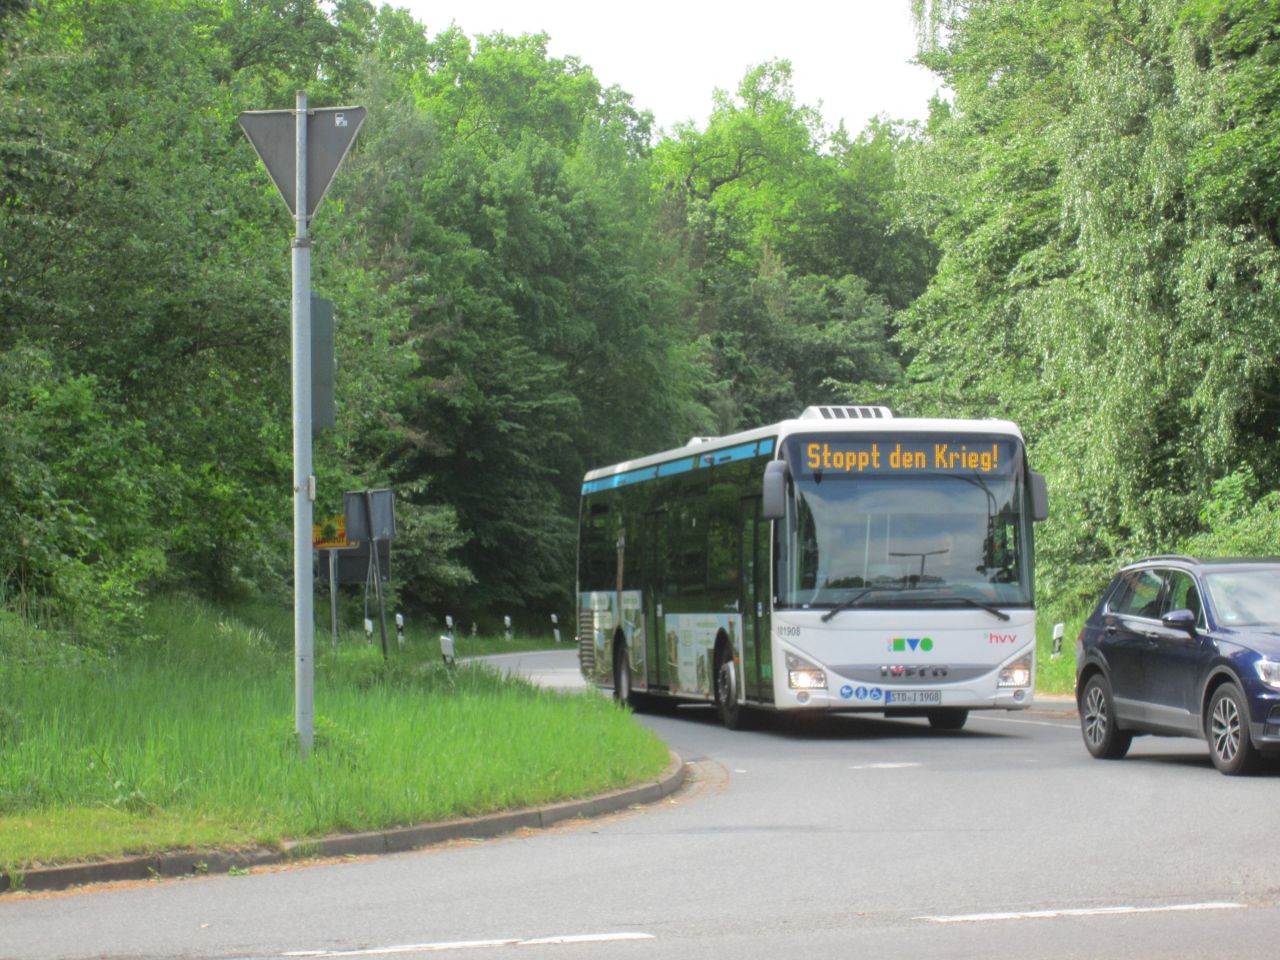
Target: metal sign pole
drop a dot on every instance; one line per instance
(303, 481)
(327, 140)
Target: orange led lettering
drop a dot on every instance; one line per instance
(984, 461)
(822, 457)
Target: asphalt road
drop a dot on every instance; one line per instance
(848, 836)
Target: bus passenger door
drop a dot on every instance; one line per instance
(652, 533)
(753, 601)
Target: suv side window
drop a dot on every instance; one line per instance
(1182, 594)
(1138, 594)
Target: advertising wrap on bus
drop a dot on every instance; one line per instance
(890, 568)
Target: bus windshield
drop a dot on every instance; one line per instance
(904, 521)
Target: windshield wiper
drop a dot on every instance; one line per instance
(848, 602)
(994, 611)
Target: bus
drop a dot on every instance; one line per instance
(846, 561)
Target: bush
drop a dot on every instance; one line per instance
(1237, 521)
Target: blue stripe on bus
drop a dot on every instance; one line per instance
(675, 466)
(745, 451)
(620, 480)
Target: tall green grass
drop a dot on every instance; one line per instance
(187, 739)
(1057, 675)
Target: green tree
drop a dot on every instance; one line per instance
(788, 232)
(1107, 272)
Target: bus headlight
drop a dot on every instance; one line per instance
(1016, 673)
(803, 675)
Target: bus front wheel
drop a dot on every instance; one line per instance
(727, 691)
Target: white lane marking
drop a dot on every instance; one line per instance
(472, 944)
(1080, 912)
(883, 766)
(1034, 723)
(587, 938)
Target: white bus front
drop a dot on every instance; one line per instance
(903, 569)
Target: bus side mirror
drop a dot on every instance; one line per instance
(774, 505)
(1039, 497)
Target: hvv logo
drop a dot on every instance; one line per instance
(1002, 638)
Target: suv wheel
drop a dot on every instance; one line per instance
(1228, 732)
(1102, 737)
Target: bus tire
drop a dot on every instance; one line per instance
(731, 712)
(622, 692)
(948, 719)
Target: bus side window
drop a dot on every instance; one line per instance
(722, 530)
(808, 549)
(688, 527)
(722, 556)
(598, 561)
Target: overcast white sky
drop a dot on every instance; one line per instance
(852, 56)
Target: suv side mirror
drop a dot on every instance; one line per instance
(774, 505)
(1039, 497)
(1180, 620)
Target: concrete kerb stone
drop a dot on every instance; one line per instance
(401, 840)
(1058, 704)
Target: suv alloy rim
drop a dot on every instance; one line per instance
(1225, 729)
(1095, 716)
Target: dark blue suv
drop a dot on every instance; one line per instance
(1179, 646)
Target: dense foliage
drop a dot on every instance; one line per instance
(1102, 191)
(531, 280)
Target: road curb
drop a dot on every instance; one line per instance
(187, 863)
(1058, 704)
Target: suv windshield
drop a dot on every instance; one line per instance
(1245, 597)
(904, 521)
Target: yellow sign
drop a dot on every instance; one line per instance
(330, 534)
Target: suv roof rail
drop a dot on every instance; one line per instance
(1169, 556)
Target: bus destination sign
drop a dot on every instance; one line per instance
(973, 455)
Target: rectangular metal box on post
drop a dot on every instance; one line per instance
(324, 365)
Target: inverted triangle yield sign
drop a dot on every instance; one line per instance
(330, 133)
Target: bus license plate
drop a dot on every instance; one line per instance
(913, 697)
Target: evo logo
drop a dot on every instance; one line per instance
(903, 644)
(1002, 638)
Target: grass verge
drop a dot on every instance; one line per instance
(185, 740)
(1057, 674)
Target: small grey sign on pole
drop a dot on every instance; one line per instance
(370, 514)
